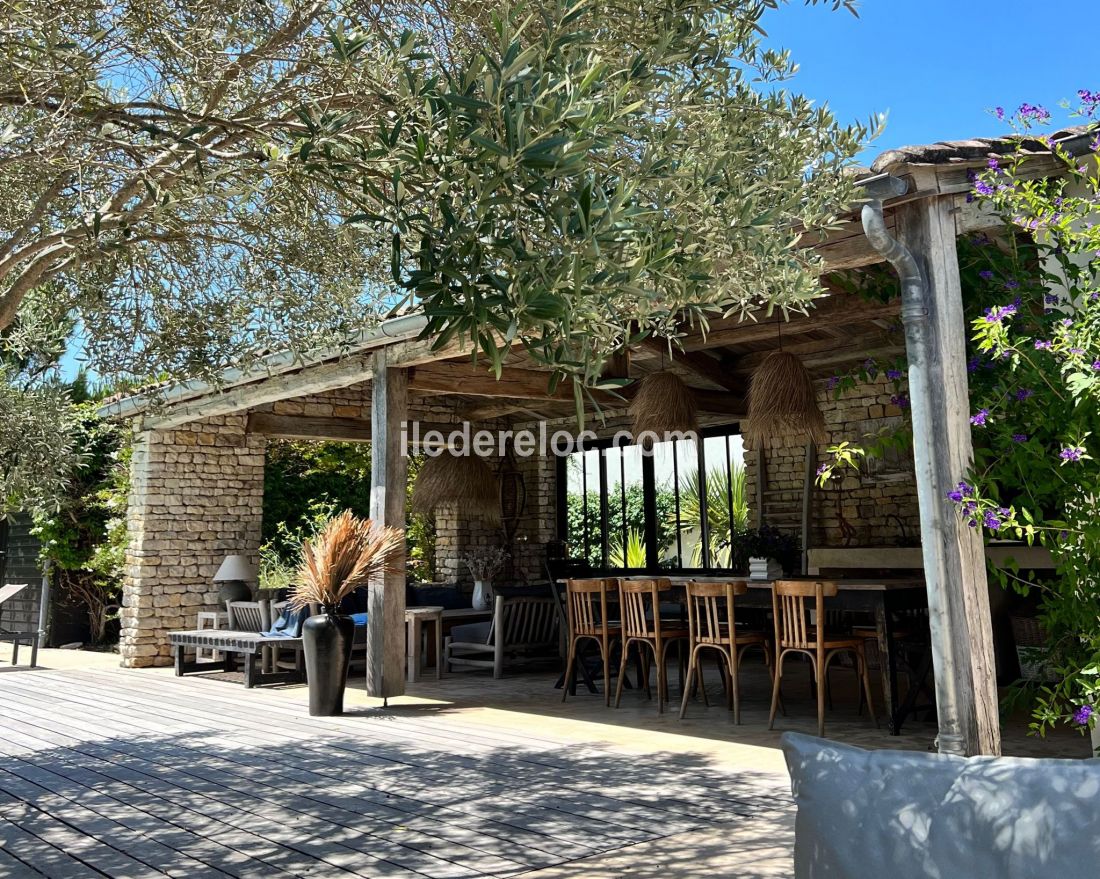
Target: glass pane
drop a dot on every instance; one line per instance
(666, 478)
(583, 541)
(625, 508)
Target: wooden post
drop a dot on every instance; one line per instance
(954, 557)
(389, 475)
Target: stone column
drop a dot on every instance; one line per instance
(196, 496)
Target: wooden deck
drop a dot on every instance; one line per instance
(105, 772)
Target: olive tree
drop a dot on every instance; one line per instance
(191, 182)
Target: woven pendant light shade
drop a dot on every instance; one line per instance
(782, 403)
(465, 481)
(663, 404)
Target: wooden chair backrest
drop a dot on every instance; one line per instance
(792, 624)
(527, 621)
(247, 616)
(710, 608)
(640, 606)
(586, 604)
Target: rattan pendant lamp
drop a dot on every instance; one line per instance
(663, 404)
(464, 480)
(782, 401)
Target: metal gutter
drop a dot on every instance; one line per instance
(403, 327)
(918, 344)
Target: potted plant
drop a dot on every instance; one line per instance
(342, 557)
(484, 564)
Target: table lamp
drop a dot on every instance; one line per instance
(232, 579)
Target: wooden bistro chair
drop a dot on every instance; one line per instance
(712, 626)
(640, 607)
(794, 634)
(586, 612)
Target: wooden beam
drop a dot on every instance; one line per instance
(309, 380)
(954, 558)
(831, 311)
(306, 427)
(702, 365)
(823, 352)
(389, 477)
(475, 380)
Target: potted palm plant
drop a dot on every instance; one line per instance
(342, 557)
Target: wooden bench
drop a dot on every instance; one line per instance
(250, 645)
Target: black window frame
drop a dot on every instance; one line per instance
(649, 495)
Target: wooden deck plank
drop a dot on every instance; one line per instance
(197, 775)
(571, 846)
(443, 778)
(701, 784)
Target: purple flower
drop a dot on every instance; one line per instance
(1071, 454)
(893, 374)
(1033, 112)
(1000, 111)
(900, 400)
(991, 521)
(1024, 393)
(1052, 299)
(972, 364)
(979, 418)
(986, 274)
(983, 188)
(962, 490)
(1012, 285)
(821, 470)
(998, 313)
(1096, 364)
(1082, 715)
(994, 165)
(834, 380)
(1043, 345)
(1019, 437)
(870, 364)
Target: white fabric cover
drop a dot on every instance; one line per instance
(907, 815)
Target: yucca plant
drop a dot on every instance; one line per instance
(635, 551)
(725, 493)
(343, 556)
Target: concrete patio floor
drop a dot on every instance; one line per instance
(108, 772)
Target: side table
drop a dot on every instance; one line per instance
(210, 619)
(415, 617)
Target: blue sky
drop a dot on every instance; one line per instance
(937, 66)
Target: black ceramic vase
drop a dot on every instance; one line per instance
(326, 639)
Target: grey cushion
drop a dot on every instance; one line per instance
(908, 815)
(472, 633)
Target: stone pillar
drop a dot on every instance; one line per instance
(196, 496)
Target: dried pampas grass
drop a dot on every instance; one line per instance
(663, 404)
(464, 480)
(343, 556)
(782, 403)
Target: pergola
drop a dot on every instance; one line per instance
(199, 446)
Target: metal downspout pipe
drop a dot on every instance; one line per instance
(918, 346)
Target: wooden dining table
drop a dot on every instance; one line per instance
(883, 597)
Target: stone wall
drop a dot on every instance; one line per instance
(877, 506)
(196, 497)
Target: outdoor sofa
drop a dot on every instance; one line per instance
(908, 815)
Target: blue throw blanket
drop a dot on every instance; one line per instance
(289, 623)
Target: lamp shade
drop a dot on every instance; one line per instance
(236, 567)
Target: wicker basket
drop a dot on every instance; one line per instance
(1031, 642)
